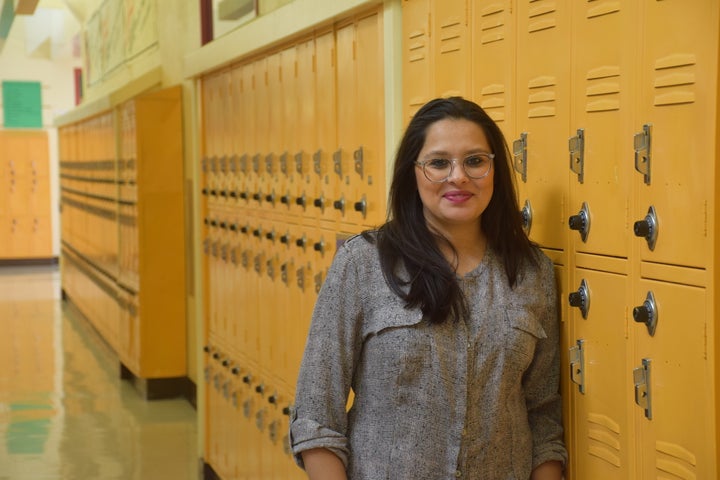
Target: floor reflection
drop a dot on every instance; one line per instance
(64, 413)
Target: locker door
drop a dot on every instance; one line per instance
(327, 126)
(277, 136)
(365, 200)
(678, 441)
(416, 45)
(493, 68)
(249, 129)
(348, 124)
(451, 48)
(300, 168)
(602, 429)
(678, 99)
(262, 128)
(543, 108)
(603, 78)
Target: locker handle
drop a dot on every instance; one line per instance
(642, 142)
(320, 203)
(247, 379)
(260, 389)
(576, 145)
(299, 162)
(235, 370)
(224, 193)
(205, 191)
(520, 156)
(206, 348)
(285, 239)
(647, 313)
(225, 362)
(234, 194)
(301, 242)
(358, 158)
(283, 163)
(577, 365)
(337, 163)
(234, 227)
(319, 246)
(641, 379)
(270, 235)
(647, 228)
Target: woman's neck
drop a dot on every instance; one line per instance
(469, 244)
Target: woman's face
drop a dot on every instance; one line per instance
(460, 200)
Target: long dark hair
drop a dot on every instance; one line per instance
(405, 239)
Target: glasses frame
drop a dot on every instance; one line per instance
(453, 163)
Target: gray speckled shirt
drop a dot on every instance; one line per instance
(475, 399)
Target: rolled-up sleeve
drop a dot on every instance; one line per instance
(319, 417)
(541, 381)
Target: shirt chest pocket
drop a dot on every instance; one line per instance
(521, 336)
(398, 346)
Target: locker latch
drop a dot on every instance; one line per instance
(581, 298)
(576, 145)
(642, 142)
(269, 164)
(317, 162)
(299, 163)
(577, 365)
(233, 164)
(284, 163)
(256, 163)
(641, 379)
(526, 215)
(648, 228)
(243, 163)
(581, 222)
(520, 156)
(337, 163)
(358, 158)
(647, 313)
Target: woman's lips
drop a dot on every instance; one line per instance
(457, 197)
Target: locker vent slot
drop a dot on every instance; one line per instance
(604, 8)
(603, 89)
(541, 97)
(492, 24)
(450, 36)
(493, 101)
(604, 438)
(676, 460)
(542, 17)
(675, 80)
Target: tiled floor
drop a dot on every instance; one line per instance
(64, 412)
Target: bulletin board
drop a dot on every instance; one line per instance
(22, 104)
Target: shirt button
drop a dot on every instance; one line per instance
(464, 432)
(458, 474)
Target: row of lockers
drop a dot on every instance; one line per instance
(123, 231)
(293, 159)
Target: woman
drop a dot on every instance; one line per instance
(443, 322)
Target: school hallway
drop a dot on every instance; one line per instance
(64, 412)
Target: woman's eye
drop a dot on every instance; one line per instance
(475, 161)
(438, 163)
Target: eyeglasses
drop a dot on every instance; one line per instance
(476, 166)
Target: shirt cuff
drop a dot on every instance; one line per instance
(307, 434)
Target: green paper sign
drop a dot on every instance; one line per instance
(22, 104)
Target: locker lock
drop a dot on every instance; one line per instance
(520, 156)
(647, 313)
(301, 201)
(526, 216)
(301, 242)
(581, 298)
(260, 389)
(320, 203)
(285, 239)
(361, 206)
(339, 205)
(270, 198)
(319, 246)
(247, 379)
(648, 228)
(581, 222)
(285, 199)
(244, 195)
(235, 370)
(257, 196)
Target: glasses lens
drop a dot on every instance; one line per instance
(477, 166)
(437, 170)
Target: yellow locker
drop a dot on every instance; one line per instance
(417, 62)
(600, 375)
(672, 377)
(603, 99)
(677, 120)
(451, 48)
(493, 75)
(543, 116)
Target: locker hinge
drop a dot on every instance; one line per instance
(520, 156)
(577, 365)
(642, 142)
(576, 145)
(641, 379)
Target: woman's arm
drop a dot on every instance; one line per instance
(322, 464)
(552, 470)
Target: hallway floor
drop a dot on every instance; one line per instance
(64, 412)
